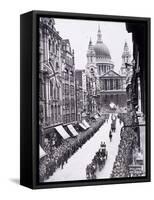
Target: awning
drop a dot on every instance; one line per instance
(41, 152)
(62, 132)
(82, 126)
(72, 130)
(86, 123)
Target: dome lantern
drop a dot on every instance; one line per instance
(99, 35)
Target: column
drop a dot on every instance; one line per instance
(109, 84)
(114, 85)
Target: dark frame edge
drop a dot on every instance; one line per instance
(26, 176)
(34, 184)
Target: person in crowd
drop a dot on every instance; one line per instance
(59, 155)
(110, 135)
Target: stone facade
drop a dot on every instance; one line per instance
(104, 85)
(68, 83)
(50, 89)
(81, 94)
(56, 77)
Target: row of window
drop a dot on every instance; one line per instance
(69, 118)
(68, 90)
(55, 113)
(104, 68)
(67, 103)
(53, 47)
(54, 91)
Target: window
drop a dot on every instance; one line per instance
(53, 47)
(51, 89)
(72, 90)
(54, 93)
(57, 66)
(52, 114)
(55, 113)
(49, 44)
(59, 110)
(66, 89)
(58, 95)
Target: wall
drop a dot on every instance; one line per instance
(9, 101)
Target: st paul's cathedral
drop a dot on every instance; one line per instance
(108, 86)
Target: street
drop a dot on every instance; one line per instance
(75, 169)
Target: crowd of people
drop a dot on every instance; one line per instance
(97, 162)
(127, 144)
(60, 155)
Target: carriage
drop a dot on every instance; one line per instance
(113, 125)
(102, 157)
(97, 163)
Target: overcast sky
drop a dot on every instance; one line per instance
(114, 35)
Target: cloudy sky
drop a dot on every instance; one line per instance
(114, 35)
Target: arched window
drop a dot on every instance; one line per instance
(52, 114)
(53, 46)
(51, 89)
(57, 66)
(49, 43)
(54, 93)
(59, 110)
(55, 113)
(58, 94)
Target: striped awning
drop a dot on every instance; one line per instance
(62, 132)
(72, 129)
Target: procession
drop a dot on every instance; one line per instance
(91, 108)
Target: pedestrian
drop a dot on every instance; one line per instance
(110, 135)
(62, 162)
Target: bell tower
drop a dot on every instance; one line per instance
(126, 56)
(90, 53)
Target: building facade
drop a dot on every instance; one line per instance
(56, 81)
(81, 94)
(68, 83)
(106, 85)
(138, 66)
(50, 90)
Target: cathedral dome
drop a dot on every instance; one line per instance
(101, 50)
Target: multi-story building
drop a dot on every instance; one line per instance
(56, 80)
(50, 90)
(92, 83)
(81, 94)
(68, 83)
(138, 78)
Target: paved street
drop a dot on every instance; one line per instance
(75, 168)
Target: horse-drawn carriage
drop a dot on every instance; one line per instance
(97, 163)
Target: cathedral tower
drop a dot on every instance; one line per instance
(126, 56)
(90, 53)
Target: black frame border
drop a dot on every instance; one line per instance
(29, 173)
